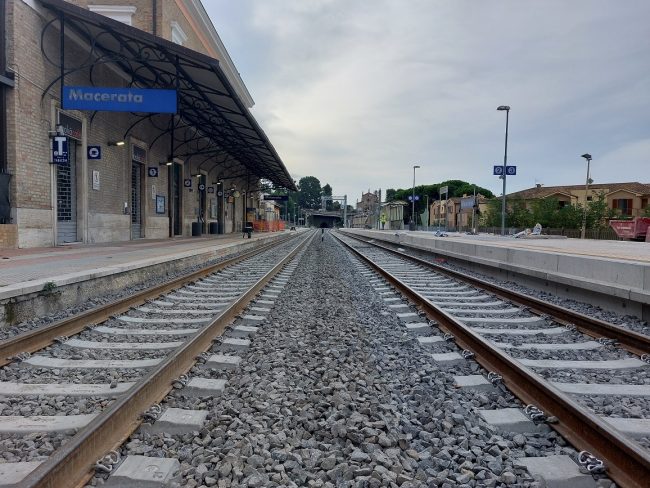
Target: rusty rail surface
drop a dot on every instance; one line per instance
(71, 465)
(626, 461)
(42, 337)
(632, 341)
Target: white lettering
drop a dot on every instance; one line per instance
(98, 96)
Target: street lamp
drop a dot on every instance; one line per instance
(412, 224)
(583, 233)
(503, 174)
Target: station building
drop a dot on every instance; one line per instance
(124, 120)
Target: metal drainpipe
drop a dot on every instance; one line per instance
(154, 15)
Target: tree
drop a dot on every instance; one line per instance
(309, 192)
(327, 192)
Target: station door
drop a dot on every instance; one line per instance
(66, 197)
(136, 200)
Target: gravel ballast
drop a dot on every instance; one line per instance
(333, 392)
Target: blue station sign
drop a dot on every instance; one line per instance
(119, 99)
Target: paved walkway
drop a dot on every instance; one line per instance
(25, 265)
(624, 250)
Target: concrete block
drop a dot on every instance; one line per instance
(48, 362)
(13, 473)
(475, 382)
(418, 328)
(430, 340)
(242, 331)
(401, 307)
(15, 424)
(629, 363)
(606, 389)
(253, 319)
(556, 471)
(176, 421)
(448, 359)
(635, 428)
(408, 317)
(65, 389)
(200, 387)
(145, 472)
(512, 420)
(235, 344)
(221, 361)
(157, 332)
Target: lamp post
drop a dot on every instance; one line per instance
(503, 174)
(583, 232)
(412, 223)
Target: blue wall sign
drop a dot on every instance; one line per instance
(60, 150)
(94, 152)
(152, 171)
(119, 99)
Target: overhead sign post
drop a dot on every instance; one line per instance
(119, 99)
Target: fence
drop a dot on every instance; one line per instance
(268, 225)
(603, 233)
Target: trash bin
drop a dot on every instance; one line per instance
(196, 228)
(214, 228)
(248, 229)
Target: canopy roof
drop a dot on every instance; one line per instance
(211, 122)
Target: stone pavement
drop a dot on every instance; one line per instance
(25, 265)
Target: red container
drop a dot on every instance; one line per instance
(636, 228)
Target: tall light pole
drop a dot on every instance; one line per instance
(412, 224)
(583, 232)
(503, 174)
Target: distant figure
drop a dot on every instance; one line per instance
(537, 230)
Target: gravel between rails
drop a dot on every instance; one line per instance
(37, 322)
(334, 393)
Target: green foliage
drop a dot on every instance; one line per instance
(549, 213)
(309, 192)
(457, 188)
(647, 211)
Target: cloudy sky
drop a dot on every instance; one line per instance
(355, 92)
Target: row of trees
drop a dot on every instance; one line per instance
(456, 188)
(549, 213)
(308, 195)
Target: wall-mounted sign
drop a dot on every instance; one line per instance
(152, 171)
(219, 193)
(71, 126)
(95, 180)
(60, 150)
(94, 152)
(211, 189)
(160, 204)
(201, 187)
(187, 182)
(153, 192)
(138, 154)
(277, 198)
(119, 99)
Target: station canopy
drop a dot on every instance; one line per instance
(211, 123)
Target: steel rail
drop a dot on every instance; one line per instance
(42, 337)
(71, 464)
(626, 461)
(633, 341)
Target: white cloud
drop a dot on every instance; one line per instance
(355, 92)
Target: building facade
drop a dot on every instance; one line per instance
(626, 199)
(124, 174)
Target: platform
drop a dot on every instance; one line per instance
(616, 272)
(99, 269)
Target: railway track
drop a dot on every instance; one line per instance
(94, 375)
(546, 355)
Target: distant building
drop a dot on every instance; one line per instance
(456, 212)
(367, 210)
(392, 215)
(627, 199)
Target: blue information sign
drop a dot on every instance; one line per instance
(511, 170)
(498, 170)
(60, 150)
(119, 99)
(94, 152)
